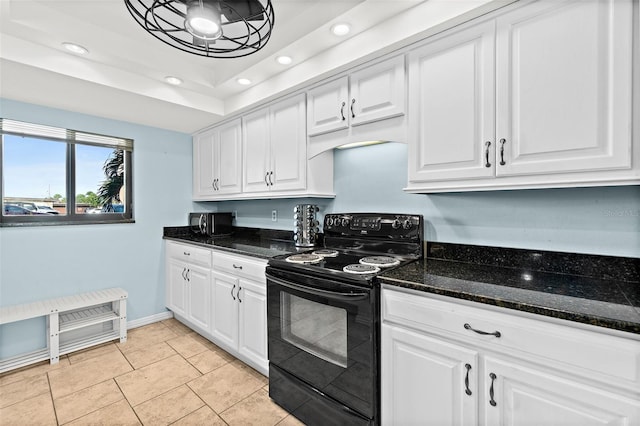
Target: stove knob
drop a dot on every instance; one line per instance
(329, 221)
(396, 224)
(345, 222)
(407, 224)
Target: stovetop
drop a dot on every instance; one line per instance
(356, 236)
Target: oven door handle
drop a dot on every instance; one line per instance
(318, 292)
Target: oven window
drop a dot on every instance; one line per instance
(314, 327)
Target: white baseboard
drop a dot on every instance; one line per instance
(149, 320)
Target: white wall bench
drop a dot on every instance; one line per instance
(73, 323)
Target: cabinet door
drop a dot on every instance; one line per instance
(199, 295)
(229, 158)
(527, 396)
(451, 96)
(256, 151)
(253, 322)
(327, 108)
(425, 380)
(288, 144)
(176, 291)
(224, 318)
(204, 173)
(564, 87)
(377, 92)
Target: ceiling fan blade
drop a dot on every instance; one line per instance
(238, 10)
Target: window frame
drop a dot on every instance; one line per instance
(71, 138)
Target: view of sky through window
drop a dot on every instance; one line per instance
(36, 168)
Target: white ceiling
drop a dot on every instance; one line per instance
(122, 77)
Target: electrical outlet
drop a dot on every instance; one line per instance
(274, 215)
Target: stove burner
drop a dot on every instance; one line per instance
(304, 258)
(359, 268)
(326, 253)
(380, 261)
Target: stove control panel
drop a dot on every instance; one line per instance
(373, 224)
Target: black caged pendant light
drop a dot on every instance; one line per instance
(212, 28)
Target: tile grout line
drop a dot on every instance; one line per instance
(53, 404)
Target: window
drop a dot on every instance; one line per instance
(51, 175)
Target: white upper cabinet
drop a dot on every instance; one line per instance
(217, 161)
(452, 87)
(541, 96)
(377, 92)
(327, 108)
(564, 89)
(368, 94)
(275, 142)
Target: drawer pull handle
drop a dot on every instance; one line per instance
(234, 287)
(237, 267)
(495, 333)
(238, 294)
(466, 379)
(186, 253)
(491, 400)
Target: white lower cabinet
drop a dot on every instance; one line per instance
(239, 318)
(436, 370)
(422, 379)
(188, 287)
(221, 296)
(533, 396)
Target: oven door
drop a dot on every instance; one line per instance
(323, 348)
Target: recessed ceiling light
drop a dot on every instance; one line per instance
(284, 60)
(244, 81)
(173, 80)
(75, 48)
(341, 29)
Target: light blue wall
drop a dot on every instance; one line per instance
(602, 220)
(53, 261)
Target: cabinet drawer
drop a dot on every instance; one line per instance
(607, 358)
(240, 266)
(189, 253)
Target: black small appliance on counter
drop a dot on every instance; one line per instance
(211, 224)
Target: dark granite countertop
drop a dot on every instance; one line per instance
(260, 243)
(598, 290)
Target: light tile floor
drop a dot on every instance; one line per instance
(164, 374)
